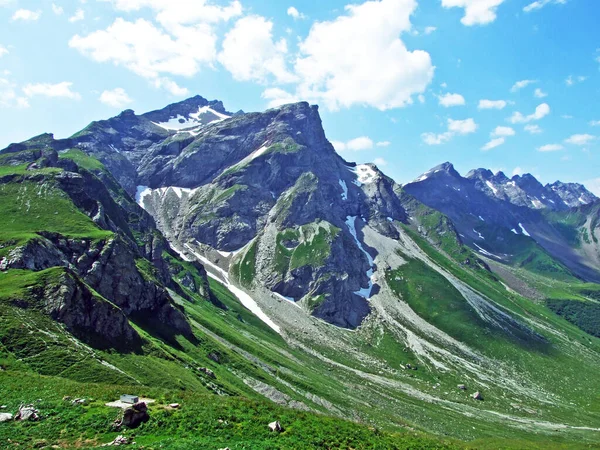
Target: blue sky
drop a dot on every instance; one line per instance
(509, 85)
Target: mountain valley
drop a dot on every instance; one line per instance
(236, 264)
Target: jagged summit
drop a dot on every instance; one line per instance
(572, 194)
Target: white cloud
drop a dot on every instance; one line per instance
(182, 44)
(455, 127)
(492, 104)
(550, 148)
(278, 97)
(503, 132)
(429, 30)
(380, 162)
(170, 86)
(567, 116)
(3, 51)
(293, 12)
(57, 90)
(379, 71)
(521, 84)
(58, 10)
(174, 13)
(466, 126)
(26, 15)
(146, 50)
(539, 4)
(538, 93)
(533, 129)
(421, 98)
(571, 80)
(540, 112)
(448, 100)
(595, 123)
(383, 144)
(493, 144)
(517, 171)
(498, 137)
(117, 98)
(580, 139)
(9, 97)
(250, 53)
(355, 145)
(477, 12)
(78, 16)
(436, 139)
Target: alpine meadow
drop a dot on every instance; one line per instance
(315, 274)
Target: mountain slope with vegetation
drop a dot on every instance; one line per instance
(234, 262)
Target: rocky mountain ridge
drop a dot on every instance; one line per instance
(493, 213)
(330, 287)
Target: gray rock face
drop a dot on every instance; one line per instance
(258, 177)
(87, 316)
(572, 194)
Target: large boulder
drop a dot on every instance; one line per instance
(27, 412)
(135, 415)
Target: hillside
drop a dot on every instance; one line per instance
(230, 262)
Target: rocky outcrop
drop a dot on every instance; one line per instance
(37, 254)
(86, 315)
(135, 415)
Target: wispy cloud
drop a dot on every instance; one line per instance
(455, 127)
(521, 84)
(550, 148)
(540, 112)
(580, 139)
(492, 104)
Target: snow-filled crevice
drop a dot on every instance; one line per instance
(222, 276)
(363, 292)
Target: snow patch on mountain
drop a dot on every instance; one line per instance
(246, 300)
(344, 187)
(524, 230)
(141, 193)
(492, 187)
(180, 122)
(365, 174)
(351, 224)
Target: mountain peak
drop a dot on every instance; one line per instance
(573, 194)
(192, 112)
(483, 174)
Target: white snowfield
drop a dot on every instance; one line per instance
(144, 191)
(365, 174)
(344, 187)
(524, 230)
(180, 122)
(492, 187)
(212, 270)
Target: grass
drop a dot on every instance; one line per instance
(83, 160)
(247, 266)
(585, 315)
(30, 208)
(202, 421)
(310, 245)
